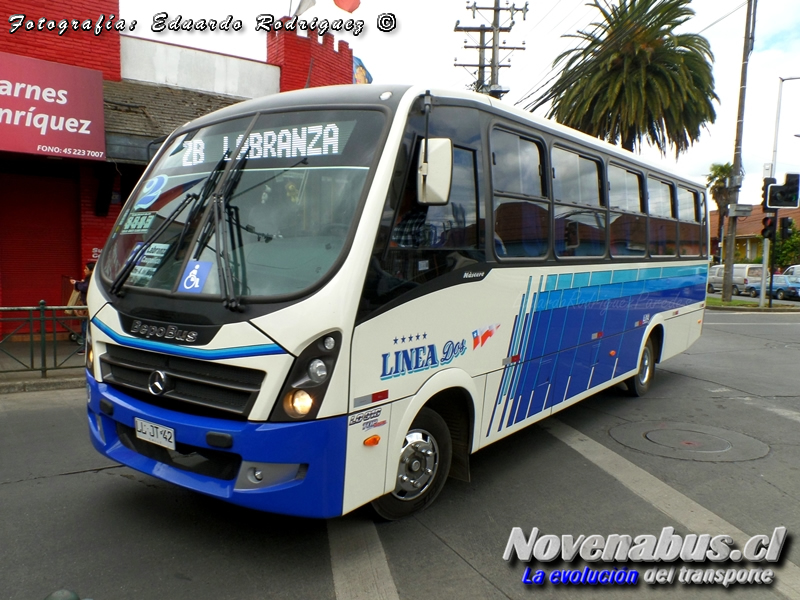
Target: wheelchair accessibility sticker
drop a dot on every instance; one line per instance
(194, 276)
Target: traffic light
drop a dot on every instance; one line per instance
(768, 232)
(786, 228)
(786, 195)
(768, 181)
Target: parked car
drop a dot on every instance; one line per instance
(743, 275)
(794, 271)
(784, 287)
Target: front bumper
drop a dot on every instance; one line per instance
(288, 468)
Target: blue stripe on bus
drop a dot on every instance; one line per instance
(201, 353)
(564, 281)
(582, 330)
(581, 279)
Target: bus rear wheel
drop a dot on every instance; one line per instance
(423, 466)
(639, 384)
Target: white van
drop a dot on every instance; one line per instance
(743, 275)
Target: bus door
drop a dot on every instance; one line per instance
(414, 321)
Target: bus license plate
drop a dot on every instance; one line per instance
(156, 434)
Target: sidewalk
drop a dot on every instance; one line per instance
(17, 355)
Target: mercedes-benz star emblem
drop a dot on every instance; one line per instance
(157, 384)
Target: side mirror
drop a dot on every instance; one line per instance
(434, 177)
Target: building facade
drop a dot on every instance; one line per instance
(81, 113)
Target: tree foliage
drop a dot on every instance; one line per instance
(787, 251)
(634, 78)
(717, 180)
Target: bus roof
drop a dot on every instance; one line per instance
(372, 94)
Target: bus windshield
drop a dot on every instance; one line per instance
(264, 215)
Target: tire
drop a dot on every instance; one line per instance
(780, 295)
(423, 466)
(753, 293)
(639, 384)
(710, 288)
(735, 290)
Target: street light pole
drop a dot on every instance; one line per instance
(772, 172)
(778, 120)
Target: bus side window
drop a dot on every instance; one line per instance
(627, 221)
(521, 213)
(580, 219)
(688, 226)
(663, 227)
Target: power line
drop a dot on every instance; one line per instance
(743, 4)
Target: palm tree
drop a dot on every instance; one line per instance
(717, 181)
(633, 77)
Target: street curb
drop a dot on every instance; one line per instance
(788, 309)
(15, 387)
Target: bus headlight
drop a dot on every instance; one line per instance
(89, 350)
(304, 389)
(298, 404)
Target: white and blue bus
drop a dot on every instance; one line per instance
(332, 297)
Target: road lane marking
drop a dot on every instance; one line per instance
(695, 517)
(358, 562)
(782, 412)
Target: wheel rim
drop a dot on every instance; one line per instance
(419, 462)
(645, 369)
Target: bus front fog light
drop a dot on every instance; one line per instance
(329, 343)
(317, 371)
(298, 404)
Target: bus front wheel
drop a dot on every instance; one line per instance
(639, 384)
(423, 466)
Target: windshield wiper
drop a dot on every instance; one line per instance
(200, 201)
(136, 256)
(219, 208)
(222, 215)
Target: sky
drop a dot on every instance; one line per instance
(422, 48)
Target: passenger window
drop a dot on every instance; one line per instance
(659, 198)
(624, 190)
(689, 229)
(579, 232)
(663, 229)
(628, 234)
(516, 164)
(576, 179)
(627, 230)
(521, 214)
(521, 227)
(579, 227)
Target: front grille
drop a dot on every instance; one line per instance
(193, 386)
(203, 461)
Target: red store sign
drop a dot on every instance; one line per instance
(51, 109)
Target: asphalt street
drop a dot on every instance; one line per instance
(713, 448)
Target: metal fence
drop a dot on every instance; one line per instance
(41, 338)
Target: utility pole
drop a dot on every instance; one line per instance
(493, 87)
(736, 180)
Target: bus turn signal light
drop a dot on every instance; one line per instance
(372, 440)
